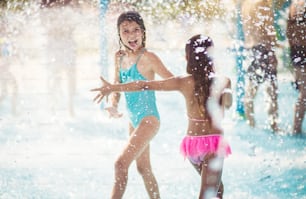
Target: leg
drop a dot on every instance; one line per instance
(272, 91)
(300, 105)
(211, 172)
(220, 190)
(137, 143)
(272, 103)
(144, 168)
(250, 93)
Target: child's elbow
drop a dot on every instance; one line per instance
(227, 101)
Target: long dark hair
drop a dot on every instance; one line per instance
(200, 66)
(131, 16)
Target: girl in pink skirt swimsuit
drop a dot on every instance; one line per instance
(206, 95)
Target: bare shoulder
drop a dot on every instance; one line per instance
(151, 56)
(155, 64)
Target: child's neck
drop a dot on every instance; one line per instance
(135, 52)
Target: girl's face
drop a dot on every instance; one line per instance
(131, 35)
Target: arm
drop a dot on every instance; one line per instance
(170, 84)
(227, 97)
(115, 97)
(221, 92)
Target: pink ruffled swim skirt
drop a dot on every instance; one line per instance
(195, 148)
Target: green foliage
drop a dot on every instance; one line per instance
(13, 5)
(278, 4)
(171, 9)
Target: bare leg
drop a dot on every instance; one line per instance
(273, 105)
(251, 91)
(144, 168)
(136, 145)
(210, 176)
(300, 105)
(272, 92)
(220, 191)
(211, 173)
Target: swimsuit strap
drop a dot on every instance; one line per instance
(140, 54)
(137, 59)
(120, 61)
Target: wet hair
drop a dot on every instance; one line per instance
(131, 16)
(200, 66)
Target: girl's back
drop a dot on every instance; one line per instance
(203, 123)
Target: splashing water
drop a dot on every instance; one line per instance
(51, 154)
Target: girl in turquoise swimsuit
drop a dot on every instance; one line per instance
(134, 63)
(206, 95)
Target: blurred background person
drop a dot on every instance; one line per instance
(260, 40)
(296, 34)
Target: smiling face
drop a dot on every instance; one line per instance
(131, 35)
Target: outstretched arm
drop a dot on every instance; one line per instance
(107, 88)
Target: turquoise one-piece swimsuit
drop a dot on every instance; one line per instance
(139, 104)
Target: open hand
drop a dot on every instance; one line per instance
(104, 90)
(113, 112)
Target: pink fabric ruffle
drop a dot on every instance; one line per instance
(199, 146)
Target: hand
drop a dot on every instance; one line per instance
(120, 53)
(105, 90)
(113, 112)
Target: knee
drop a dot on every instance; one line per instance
(121, 168)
